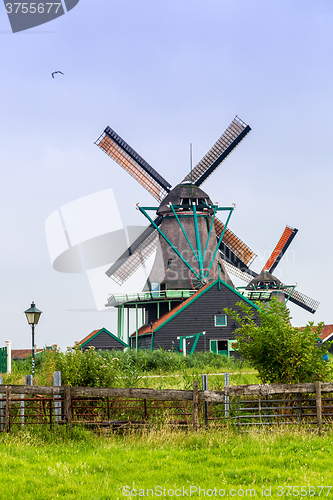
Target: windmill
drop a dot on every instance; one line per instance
(186, 223)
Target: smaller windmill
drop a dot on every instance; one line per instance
(264, 285)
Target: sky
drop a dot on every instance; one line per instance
(162, 75)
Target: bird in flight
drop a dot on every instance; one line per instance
(55, 72)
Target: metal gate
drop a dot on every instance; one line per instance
(3, 359)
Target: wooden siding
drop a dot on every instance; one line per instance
(144, 342)
(199, 317)
(151, 309)
(103, 341)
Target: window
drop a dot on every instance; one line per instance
(220, 320)
(169, 263)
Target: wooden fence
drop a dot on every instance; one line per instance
(243, 406)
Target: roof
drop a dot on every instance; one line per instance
(23, 353)
(165, 318)
(264, 277)
(181, 191)
(326, 333)
(94, 334)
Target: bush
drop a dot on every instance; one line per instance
(280, 352)
(115, 368)
(86, 369)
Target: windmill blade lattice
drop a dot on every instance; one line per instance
(287, 236)
(115, 147)
(233, 247)
(128, 263)
(246, 276)
(230, 138)
(139, 242)
(303, 301)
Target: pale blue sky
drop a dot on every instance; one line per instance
(164, 74)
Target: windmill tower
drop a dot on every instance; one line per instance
(193, 247)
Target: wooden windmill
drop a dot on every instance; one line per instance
(193, 246)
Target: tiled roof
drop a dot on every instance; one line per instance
(23, 353)
(89, 336)
(145, 329)
(158, 322)
(326, 332)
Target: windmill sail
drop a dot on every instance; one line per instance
(135, 255)
(303, 301)
(115, 147)
(245, 275)
(232, 136)
(233, 247)
(287, 236)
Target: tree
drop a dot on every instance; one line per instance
(280, 352)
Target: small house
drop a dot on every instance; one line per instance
(102, 339)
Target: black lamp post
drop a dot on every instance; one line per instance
(33, 315)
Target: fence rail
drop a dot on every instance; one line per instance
(243, 406)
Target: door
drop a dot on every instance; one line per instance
(219, 347)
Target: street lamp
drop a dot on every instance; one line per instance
(33, 315)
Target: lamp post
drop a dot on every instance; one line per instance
(33, 315)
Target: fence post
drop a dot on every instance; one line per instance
(9, 355)
(318, 405)
(67, 404)
(22, 409)
(8, 397)
(57, 404)
(28, 381)
(195, 404)
(1, 408)
(205, 403)
(226, 398)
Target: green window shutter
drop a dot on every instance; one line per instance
(231, 344)
(213, 346)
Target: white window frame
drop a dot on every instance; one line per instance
(216, 321)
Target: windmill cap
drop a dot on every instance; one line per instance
(181, 192)
(264, 278)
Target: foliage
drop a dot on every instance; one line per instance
(155, 369)
(280, 352)
(75, 464)
(85, 368)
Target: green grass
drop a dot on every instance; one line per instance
(78, 464)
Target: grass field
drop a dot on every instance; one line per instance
(78, 464)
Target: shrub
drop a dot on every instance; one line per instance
(280, 352)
